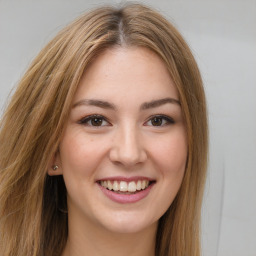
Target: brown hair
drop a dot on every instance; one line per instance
(33, 218)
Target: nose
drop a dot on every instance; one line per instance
(127, 148)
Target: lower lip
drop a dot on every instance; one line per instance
(126, 198)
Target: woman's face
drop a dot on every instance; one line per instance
(124, 150)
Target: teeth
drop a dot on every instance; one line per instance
(109, 185)
(124, 186)
(143, 184)
(139, 185)
(116, 186)
(132, 187)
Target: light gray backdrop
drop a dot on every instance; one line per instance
(222, 35)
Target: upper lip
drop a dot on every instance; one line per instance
(127, 179)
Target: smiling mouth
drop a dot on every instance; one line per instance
(124, 187)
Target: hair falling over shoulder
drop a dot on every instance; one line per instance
(33, 208)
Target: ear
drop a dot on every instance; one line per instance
(54, 167)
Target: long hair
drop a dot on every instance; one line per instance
(33, 208)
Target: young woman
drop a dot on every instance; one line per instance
(103, 147)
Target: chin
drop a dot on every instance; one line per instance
(128, 223)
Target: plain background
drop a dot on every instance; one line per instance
(222, 36)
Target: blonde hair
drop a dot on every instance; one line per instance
(33, 217)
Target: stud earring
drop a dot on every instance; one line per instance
(55, 167)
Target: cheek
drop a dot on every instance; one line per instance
(80, 154)
(170, 154)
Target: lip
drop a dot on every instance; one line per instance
(126, 198)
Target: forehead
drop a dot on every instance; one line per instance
(126, 73)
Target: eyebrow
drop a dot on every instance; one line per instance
(107, 105)
(96, 103)
(158, 103)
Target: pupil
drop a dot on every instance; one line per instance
(157, 121)
(96, 121)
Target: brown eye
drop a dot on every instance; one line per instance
(96, 121)
(157, 121)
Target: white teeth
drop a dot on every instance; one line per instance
(110, 186)
(132, 187)
(139, 185)
(115, 186)
(143, 184)
(124, 186)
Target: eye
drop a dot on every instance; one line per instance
(159, 120)
(94, 120)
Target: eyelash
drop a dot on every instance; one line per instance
(85, 121)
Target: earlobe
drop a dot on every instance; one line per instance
(54, 170)
(55, 167)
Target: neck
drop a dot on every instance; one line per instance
(84, 240)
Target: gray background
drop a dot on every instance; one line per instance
(222, 35)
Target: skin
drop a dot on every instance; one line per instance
(127, 143)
